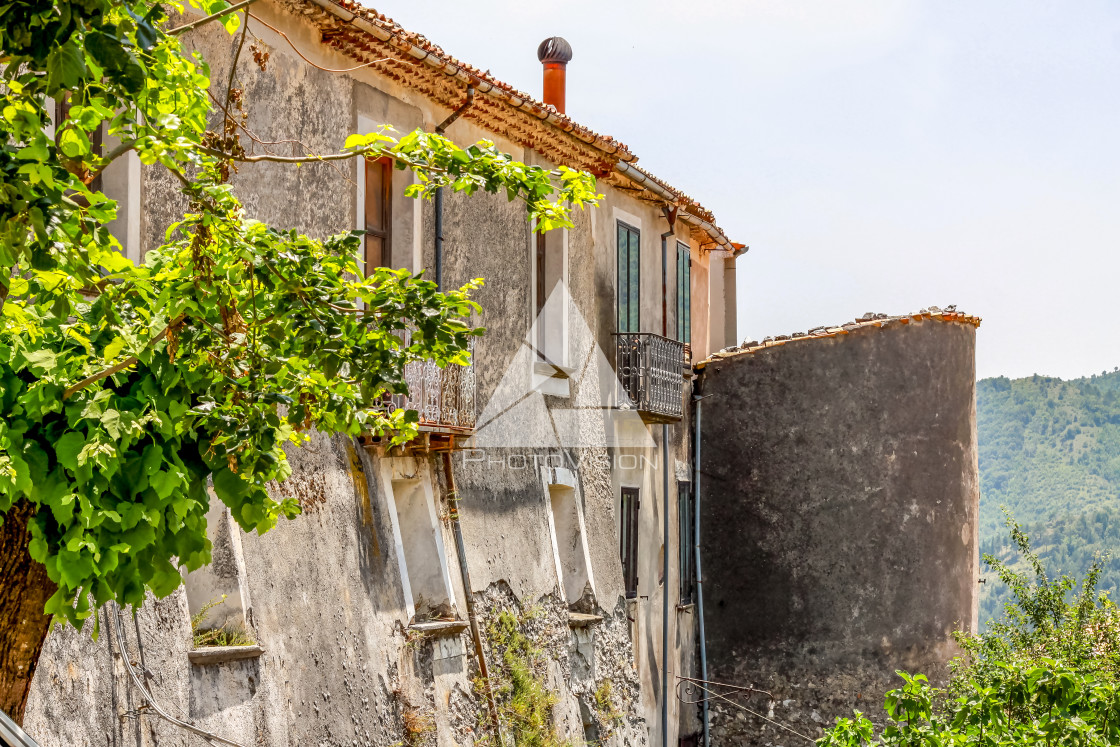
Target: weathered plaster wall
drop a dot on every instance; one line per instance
(839, 511)
(323, 594)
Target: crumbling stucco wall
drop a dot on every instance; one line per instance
(839, 510)
(323, 594)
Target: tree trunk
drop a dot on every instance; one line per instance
(24, 591)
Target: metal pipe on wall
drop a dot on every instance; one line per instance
(665, 589)
(440, 129)
(468, 593)
(671, 217)
(697, 399)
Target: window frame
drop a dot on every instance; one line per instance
(633, 262)
(385, 233)
(629, 507)
(550, 253)
(686, 542)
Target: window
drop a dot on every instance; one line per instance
(120, 180)
(684, 293)
(217, 593)
(551, 297)
(569, 545)
(378, 212)
(628, 540)
(686, 520)
(629, 277)
(418, 539)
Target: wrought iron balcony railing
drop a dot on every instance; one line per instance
(650, 368)
(444, 398)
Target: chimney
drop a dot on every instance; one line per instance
(554, 53)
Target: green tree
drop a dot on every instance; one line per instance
(125, 389)
(1045, 674)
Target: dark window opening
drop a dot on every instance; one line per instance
(378, 209)
(629, 278)
(628, 540)
(684, 293)
(686, 509)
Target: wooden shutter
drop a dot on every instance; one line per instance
(378, 209)
(685, 543)
(629, 278)
(684, 293)
(628, 540)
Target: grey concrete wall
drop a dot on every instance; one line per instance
(839, 512)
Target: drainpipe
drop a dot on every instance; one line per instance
(468, 594)
(671, 216)
(440, 128)
(696, 399)
(665, 590)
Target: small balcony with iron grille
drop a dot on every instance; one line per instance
(650, 368)
(443, 398)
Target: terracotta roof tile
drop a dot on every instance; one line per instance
(413, 60)
(870, 320)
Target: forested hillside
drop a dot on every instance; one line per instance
(1050, 453)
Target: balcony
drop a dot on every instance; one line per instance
(444, 398)
(650, 368)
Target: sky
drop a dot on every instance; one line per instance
(876, 155)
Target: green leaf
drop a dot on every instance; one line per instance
(113, 349)
(229, 486)
(67, 449)
(42, 362)
(106, 50)
(164, 483)
(232, 22)
(111, 421)
(65, 67)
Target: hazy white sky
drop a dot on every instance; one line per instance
(876, 155)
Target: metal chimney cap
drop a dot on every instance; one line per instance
(555, 49)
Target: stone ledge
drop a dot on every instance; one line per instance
(440, 627)
(580, 620)
(552, 370)
(221, 654)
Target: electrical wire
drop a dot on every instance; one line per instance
(146, 694)
(712, 694)
(309, 62)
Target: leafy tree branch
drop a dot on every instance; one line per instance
(212, 17)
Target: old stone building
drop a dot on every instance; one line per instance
(549, 525)
(535, 526)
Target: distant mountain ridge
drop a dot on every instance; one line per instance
(1050, 453)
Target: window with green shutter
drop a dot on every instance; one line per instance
(629, 277)
(684, 293)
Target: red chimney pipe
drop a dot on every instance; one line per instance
(554, 53)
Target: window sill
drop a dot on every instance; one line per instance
(222, 654)
(552, 371)
(437, 628)
(581, 620)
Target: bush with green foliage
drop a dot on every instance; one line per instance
(517, 681)
(1046, 674)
